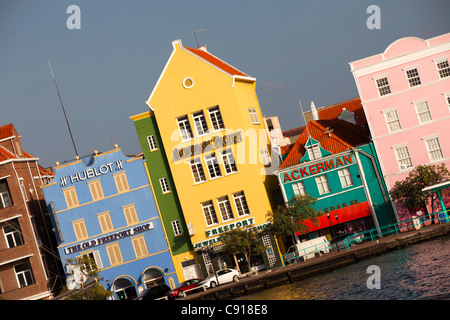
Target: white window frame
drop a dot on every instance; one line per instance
(447, 99)
(299, 188)
(413, 77)
(383, 88)
(322, 184)
(225, 208)
(213, 166)
(265, 157)
(176, 228)
(434, 148)
(209, 213)
(197, 170)
(228, 160)
(152, 142)
(403, 157)
(15, 235)
(200, 123)
(185, 128)
(444, 71)
(26, 274)
(314, 152)
(164, 183)
(253, 115)
(216, 119)
(5, 196)
(240, 201)
(392, 121)
(345, 177)
(421, 114)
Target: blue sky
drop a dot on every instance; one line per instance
(107, 69)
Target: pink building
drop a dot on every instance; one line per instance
(405, 92)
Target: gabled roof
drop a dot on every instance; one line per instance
(216, 62)
(8, 131)
(335, 110)
(334, 136)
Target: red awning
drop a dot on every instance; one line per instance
(346, 214)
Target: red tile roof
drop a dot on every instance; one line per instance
(7, 131)
(335, 110)
(217, 62)
(334, 136)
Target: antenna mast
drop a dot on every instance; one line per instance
(68, 126)
(195, 35)
(303, 115)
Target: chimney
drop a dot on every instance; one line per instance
(314, 111)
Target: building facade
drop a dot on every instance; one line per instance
(218, 151)
(160, 177)
(405, 92)
(29, 263)
(103, 206)
(334, 162)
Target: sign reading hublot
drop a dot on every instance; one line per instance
(91, 173)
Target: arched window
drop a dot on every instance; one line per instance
(153, 277)
(124, 289)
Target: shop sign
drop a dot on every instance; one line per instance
(106, 239)
(317, 168)
(210, 242)
(91, 173)
(228, 227)
(205, 146)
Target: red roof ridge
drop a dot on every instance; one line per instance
(331, 134)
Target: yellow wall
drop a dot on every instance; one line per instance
(212, 87)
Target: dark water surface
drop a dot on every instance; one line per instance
(421, 271)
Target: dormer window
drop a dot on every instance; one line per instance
(314, 152)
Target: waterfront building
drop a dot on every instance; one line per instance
(405, 93)
(102, 205)
(29, 263)
(334, 161)
(218, 152)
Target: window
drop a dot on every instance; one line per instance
(71, 197)
(185, 128)
(314, 152)
(13, 234)
(91, 260)
(200, 123)
(403, 158)
(423, 112)
(265, 158)
(213, 166)
(216, 118)
(447, 98)
(322, 184)
(152, 142)
(228, 161)
(241, 204)
(80, 229)
(164, 185)
(5, 198)
(121, 182)
(197, 170)
(434, 149)
(24, 274)
(176, 228)
(130, 214)
(413, 77)
(392, 121)
(96, 190)
(209, 212)
(345, 177)
(253, 115)
(383, 86)
(114, 254)
(105, 222)
(139, 246)
(225, 208)
(443, 68)
(299, 188)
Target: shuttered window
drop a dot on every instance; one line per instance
(80, 229)
(114, 254)
(130, 214)
(105, 222)
(121, 182)
(71, 197)
(140, 247)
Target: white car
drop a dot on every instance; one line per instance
(220, 277)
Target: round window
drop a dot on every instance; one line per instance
(188, 83)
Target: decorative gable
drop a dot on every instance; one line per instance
(314, 151)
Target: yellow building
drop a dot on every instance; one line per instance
(218, 150)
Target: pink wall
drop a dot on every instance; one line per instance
(400, 56)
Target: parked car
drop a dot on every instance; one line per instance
(182, 287)
(220, 277)
(154, 293)
(338, 241)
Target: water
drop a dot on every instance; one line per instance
(421, 271)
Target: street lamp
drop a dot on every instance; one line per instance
(336, 217)
(331, 229)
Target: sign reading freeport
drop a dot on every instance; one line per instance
(108, 238)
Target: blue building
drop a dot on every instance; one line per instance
(103, 206)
